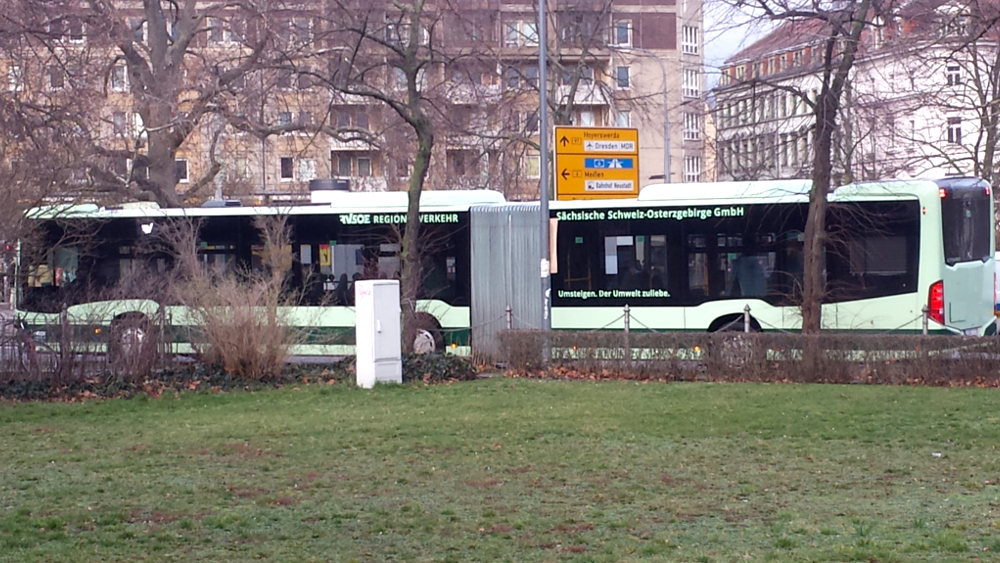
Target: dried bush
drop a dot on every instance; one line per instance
(241, 319)
(117, 330)
(765, 357)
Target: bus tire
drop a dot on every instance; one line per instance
(734, 350)
(131, 343)
(732, 323)
(429, 338)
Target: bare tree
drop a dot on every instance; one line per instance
(126, 85)
(841, 25)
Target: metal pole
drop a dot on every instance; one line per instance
(666, 123)
(543, 161)
(628, 322)
(510, 318)
(926, 315)
(746, 318)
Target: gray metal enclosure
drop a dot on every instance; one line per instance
(506, 272)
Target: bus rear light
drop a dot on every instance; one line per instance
(987, 190)
(935, 302)
(943, 192)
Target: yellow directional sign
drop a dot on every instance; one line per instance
(596, 162)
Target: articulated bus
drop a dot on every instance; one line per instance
(79, 252)
(693, 256)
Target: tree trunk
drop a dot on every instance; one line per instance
(410, 277)
(813, 282)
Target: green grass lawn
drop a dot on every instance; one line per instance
(507, 470)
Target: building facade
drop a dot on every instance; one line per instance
(918, 104)
(255, 105)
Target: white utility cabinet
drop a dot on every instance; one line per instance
(378, 336)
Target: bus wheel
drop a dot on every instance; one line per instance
(428, 337)
(734, 350)
(732, 323)
(131, 342)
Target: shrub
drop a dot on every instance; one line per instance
(241, 324)
(438, 367)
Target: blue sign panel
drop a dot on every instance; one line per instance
(606, 163)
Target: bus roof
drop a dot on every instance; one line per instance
(340, 202)
(773, 191)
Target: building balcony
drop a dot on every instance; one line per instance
(585, 95)
(474, 94)
(353, 146)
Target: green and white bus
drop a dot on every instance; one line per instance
(78, 251)
(693, 256)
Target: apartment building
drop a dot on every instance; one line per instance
(915, 104)
(255, 105)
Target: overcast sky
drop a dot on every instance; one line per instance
(726, 33)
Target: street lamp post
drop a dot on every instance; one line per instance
(543, 158)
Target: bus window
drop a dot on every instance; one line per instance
(347, 259)
(697, 266)
(635, 262)
(219, 258)
(878, 256)
(747, 275)
(794, 260)
(658, 269)
(965, 218)
(873, 250)
(575, 268)
(61, 268)
(388, 260)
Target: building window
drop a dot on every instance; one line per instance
(692, 168)
(15, 78)
(241, 169)
(692, 83)
(399, 78)
(689, 40)
(56, 77)
(341, 164)
(364, 166)
(139, 126)
(217, 32)
(513, 77)
(520, 33)
(118, 81)
(531, 121)
(118, 123)
(955, 25)
(284, 118)
(534, 167)
(531, 75)
(622, 33)
(295, 32)
(954, 75)
(287, 168)
(622, 77)
(692, 127)
(307, 169)
(955, 130)
(138, 28)
(181, 170)
(623, 119)
(75, 28)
